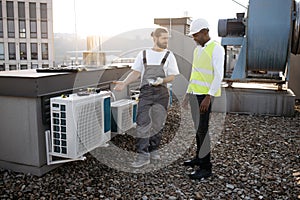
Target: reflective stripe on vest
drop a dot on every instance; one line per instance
(202, 74)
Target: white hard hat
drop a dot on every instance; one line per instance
(197, 25)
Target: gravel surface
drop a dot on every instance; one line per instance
(254, 157)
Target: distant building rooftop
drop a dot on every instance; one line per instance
(181, 24)
(173, 21)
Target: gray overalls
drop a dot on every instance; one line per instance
(152, 108)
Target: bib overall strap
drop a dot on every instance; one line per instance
(165, 58)
(144, 57)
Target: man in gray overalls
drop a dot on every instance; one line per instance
(156, 67)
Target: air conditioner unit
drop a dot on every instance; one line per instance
(124, 114)
(79, 124)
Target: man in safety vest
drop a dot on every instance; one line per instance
(204, 85)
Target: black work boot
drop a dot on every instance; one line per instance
(200, 174)
(192, 163)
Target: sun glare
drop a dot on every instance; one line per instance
(97, 17)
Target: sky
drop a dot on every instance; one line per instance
(113, 17)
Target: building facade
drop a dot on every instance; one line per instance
(26, 34)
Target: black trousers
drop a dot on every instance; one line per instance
(201, 123)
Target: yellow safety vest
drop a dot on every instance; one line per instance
(202, 74)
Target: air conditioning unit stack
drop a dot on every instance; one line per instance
(79, 124)
(124, 114)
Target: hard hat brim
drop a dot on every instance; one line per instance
(192, 33)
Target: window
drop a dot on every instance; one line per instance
(44, 51)
(32, 10)
(2, 57)
(44, 11)
(21, 10)
(12, 67)
(11, 51)
(22, 23)
(34, 66)
(33, 20)
(10, 28)
(34, 51)
(45, 66)
(44, 29)
(10, 19)
(1, 21)
(33, 29)
(23, 67)
(23, 51)
(2, 67)
(22, 28)
(1, 27)
(10, 9)
(44, 24)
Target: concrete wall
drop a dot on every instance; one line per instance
(183, 48)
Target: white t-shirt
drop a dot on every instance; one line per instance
(155, 58)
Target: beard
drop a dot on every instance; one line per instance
(162, 45)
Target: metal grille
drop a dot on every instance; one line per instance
(127, 118)
(124, 115)
(59, 129)
(89, 125)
